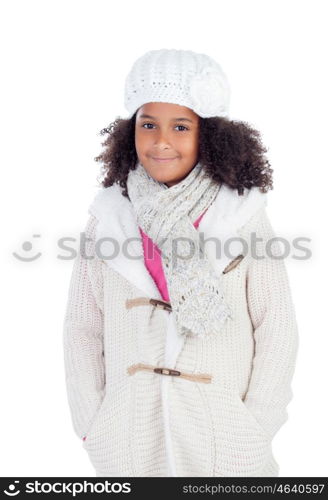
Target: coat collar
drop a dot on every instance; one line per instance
(119, 239)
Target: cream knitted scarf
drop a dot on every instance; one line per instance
(165, 215)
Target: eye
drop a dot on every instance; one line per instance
(146, 124)
(143, 126)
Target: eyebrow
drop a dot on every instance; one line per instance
(173, 119)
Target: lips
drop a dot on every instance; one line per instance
(163, 159)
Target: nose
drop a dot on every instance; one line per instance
(162, 140)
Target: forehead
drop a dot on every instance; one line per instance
(166, 110)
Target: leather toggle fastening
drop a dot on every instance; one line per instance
(146, 301)
(234, 263)
(196, 377)
(167, 371)
(161, 304)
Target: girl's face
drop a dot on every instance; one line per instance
(170, 131)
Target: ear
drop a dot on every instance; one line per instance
(234, 263)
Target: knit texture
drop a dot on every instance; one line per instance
(153, 261)
(224, 428)
(183, 77)
(83, 339)
(166, 215)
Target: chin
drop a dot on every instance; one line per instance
(158, 177)
(169, 183)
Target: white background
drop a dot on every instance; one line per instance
(63, 66)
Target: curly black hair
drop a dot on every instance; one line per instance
(230, 151)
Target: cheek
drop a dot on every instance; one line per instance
(141, 141)
(189, 153)
(189, 144)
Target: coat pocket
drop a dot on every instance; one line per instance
(96, 424)
(108, 438)
(252, 418)
(242, 447)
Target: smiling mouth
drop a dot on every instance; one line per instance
(163, 160)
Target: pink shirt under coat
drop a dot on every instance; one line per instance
(153, 261)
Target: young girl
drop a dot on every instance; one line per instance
(180, 336)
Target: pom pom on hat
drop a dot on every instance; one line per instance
(182, 77)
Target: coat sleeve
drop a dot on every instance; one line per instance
(83, 336)
(275, 330)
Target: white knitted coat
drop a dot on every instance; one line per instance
(150, 424)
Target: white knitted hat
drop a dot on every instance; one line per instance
(182, 77)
